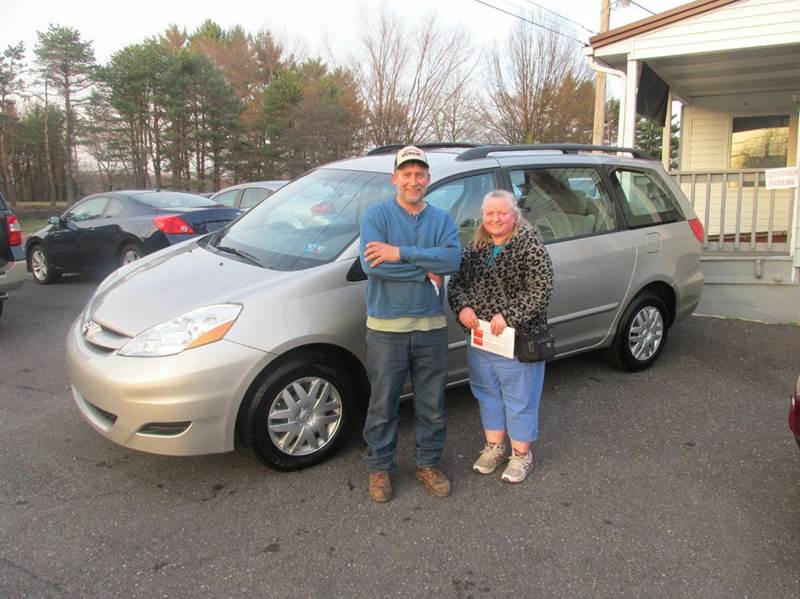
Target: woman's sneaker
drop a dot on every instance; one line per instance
(491, 457)
(518, 468)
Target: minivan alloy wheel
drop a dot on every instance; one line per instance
(305, 416)
(300, 412)
(645, 333)
(641, 333)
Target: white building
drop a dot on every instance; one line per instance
(734, 66)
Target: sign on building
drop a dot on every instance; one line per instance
(781, 178)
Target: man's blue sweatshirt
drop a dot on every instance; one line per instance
(428, 242)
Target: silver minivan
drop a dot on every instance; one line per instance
(255, 334)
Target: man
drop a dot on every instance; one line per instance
(407, 247)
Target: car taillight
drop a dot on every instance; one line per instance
(14, 230)
(172, 225)
(697, 229)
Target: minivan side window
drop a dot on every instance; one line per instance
(645, 199)
(563, 202)
(462, 199)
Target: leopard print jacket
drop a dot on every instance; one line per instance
(526, 272)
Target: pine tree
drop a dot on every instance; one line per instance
(67, 63)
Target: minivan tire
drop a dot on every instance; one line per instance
(281, 432)
(641, 334)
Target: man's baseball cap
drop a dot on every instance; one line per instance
(410, 154)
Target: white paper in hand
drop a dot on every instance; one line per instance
(502, 344)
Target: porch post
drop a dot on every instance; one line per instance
(666, 135)
(795, 217)
(627, 120)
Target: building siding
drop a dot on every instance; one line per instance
(707, 141)
(750, 23)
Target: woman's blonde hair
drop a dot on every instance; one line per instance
(481, 238)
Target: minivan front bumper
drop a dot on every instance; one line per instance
(178, 405)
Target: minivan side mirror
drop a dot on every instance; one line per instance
(54, 220)
(356, 272)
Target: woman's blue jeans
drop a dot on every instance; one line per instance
(391, 357)
(508, 393)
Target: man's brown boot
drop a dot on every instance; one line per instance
(380, 486)
(436, 482)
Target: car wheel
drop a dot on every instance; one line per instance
(641, 334)
(130, 253)
(43, 272)
(300, 413)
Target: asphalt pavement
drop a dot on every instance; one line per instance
(680, 481)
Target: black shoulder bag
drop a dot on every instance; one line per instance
(529, 348)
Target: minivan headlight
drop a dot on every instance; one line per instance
(193, 329)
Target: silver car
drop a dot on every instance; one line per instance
(255, 334)
(246, 195)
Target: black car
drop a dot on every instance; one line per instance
(106, 230)
(12, 257)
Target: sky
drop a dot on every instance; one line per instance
(326, 28)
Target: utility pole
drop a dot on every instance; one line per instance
(600, 86)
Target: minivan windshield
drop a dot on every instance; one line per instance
(308, 222)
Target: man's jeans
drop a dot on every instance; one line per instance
(390, 357)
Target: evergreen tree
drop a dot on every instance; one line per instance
(12, 66)
(67, 63)
(648, 134)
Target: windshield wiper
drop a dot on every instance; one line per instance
(249, 257)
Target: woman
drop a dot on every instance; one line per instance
(506, 251)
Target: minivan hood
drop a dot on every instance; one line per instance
(176, 281)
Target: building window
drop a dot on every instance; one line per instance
(760, 141)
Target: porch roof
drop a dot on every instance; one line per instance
(713, 48)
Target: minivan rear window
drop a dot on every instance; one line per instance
(308, 222)
(645, 199)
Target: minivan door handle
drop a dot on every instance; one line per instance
(653, 243)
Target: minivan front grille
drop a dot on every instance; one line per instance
(104, 338)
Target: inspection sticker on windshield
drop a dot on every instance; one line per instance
(313, 248)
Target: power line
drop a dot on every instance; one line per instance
(560, 16)
(544, 20)
(516, 16)
(642, 7)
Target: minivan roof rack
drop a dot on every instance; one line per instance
(392, 148)
(483, 151)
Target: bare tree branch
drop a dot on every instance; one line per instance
(410, 76)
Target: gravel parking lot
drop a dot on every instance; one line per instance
(681, 481)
